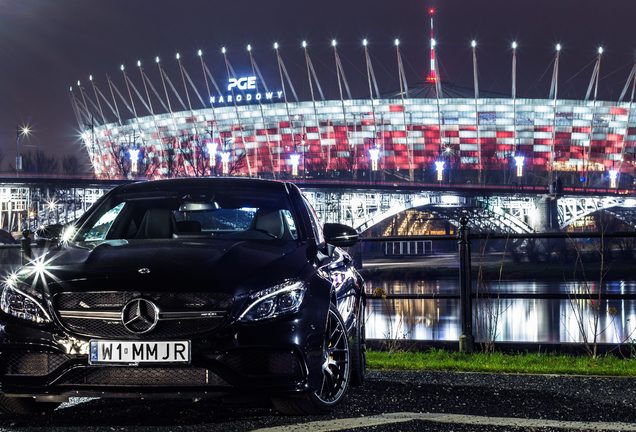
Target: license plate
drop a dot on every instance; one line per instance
(103, 351)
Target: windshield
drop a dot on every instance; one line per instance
(192, 213)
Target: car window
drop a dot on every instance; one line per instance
(316, 225)
(100, 229)
(291, 224)
(242, 213)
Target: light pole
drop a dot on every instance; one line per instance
(20, 131)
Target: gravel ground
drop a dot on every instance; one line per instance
(498, 395)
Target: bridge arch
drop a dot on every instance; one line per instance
(572, 209)
(363, 209)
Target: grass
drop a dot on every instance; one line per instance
(440, 360)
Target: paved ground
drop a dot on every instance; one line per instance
(390, 401)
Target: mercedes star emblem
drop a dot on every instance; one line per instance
(140, 316)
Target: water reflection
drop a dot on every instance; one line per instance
(518, 320)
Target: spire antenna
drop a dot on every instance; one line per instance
(432, 74)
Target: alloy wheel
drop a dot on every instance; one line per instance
(335, 366)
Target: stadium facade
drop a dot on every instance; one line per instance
(262, 140)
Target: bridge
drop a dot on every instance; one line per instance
(34, 202)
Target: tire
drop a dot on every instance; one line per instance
(22, 406)
(359, 349)
(336, 373)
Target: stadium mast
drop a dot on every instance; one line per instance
(432, 74)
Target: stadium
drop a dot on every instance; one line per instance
(192, 123)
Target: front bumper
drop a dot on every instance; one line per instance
(280, 356)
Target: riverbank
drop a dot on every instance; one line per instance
(520, 363)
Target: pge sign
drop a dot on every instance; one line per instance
(243, 83)
(243, 90)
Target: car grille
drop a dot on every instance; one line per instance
(31, 364)
(89, 305)
(256, 362)
(138, 376)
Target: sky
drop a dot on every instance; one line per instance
(47, 45)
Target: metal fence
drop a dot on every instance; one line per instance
(466, 270)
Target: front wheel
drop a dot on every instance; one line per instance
(359, 349)
(335, 369)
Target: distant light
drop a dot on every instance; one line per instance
(613, 175)
(334, 43)
(558, 47)
(439, 167)
(473, 43)
(365, 42)
(78, 83)
(138, 63)
(70, 88)
(514, 45)
(200, 53)
(51, 204)
(249, 47)
(600, 50)
(275, 45)
(223, 50)
(374, 154)
(294, 159)
(225, 161)
(134, 159)
(433, 43)
(431, 11)
(304, 44)
(211, 146)
(122, 68)
(157, 59)
(25, 130)
(178, 56)
(396, 42)
(90, 77)
(68, 233)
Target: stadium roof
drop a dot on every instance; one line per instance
(424, 90)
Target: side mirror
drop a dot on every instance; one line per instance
(340, 235)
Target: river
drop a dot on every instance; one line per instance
(503, 319)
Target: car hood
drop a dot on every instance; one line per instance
(174, 265)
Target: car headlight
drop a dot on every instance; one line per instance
(19, 304)
(281, 299)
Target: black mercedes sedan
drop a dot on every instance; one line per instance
(212, 287)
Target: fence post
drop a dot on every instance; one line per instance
(25, 247)
(466, 339)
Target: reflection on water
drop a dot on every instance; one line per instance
(518, 320)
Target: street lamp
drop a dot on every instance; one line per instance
(20, 131)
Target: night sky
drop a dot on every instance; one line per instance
(47, 45)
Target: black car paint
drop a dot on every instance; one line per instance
(240, 267)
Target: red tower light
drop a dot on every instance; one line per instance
(431, 11)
